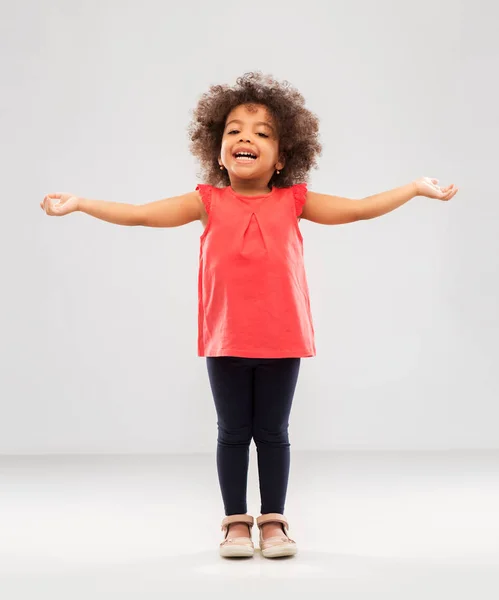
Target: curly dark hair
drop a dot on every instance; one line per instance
(297, 127)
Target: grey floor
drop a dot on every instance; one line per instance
(368, 525)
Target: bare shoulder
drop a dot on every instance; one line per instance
(203, 215)
(329, 210)
(311, 201)
(195, 198)
(172, 212)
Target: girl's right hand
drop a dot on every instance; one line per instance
(58, 205)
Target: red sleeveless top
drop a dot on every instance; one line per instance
(252, 287)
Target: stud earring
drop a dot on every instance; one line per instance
(221, 167)
(278, 172)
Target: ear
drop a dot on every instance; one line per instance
(282, 161)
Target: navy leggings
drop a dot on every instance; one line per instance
(253, 398)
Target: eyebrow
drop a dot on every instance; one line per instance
(257, 123)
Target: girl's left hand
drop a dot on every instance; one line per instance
(428, 187)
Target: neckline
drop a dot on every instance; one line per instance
(244, 196)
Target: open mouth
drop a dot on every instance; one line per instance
(245, 157)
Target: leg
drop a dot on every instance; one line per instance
(231, 381)
(274, 387)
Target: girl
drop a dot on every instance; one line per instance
(256, 143)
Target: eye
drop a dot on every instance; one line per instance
(237, 131)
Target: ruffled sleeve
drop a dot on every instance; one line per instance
(205, 191)
(300, 195)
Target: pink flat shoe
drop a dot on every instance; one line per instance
(281, 545)
(237, 546)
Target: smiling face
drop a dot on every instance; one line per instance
(250, 128)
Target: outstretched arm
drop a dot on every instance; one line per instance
(335, 210)
(169, 212)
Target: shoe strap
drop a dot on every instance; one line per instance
(231, 519)
(276, 517)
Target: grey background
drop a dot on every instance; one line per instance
(99, 321)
